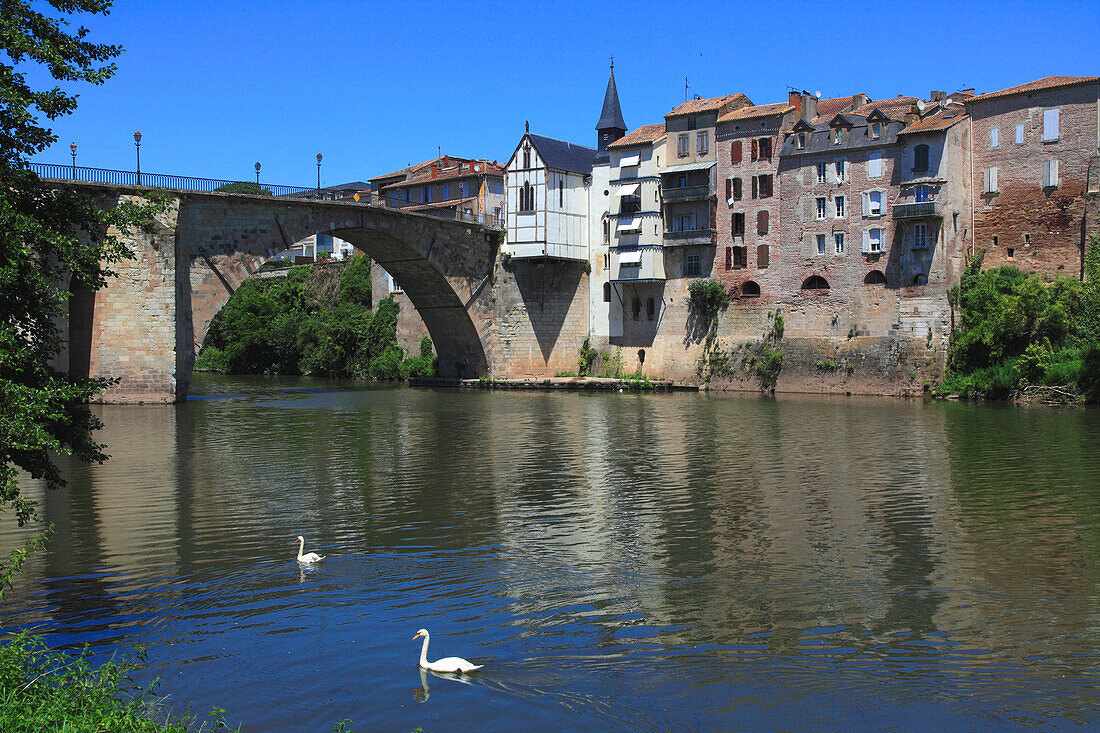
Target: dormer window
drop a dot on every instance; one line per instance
(838, 136)
(800, 141)
(876, 130)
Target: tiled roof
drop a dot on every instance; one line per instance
(563, 155)
(712, 104)
(1050, 82)
(755, 111)
(941, 119)
(440, 204)
(643, 135)
(832, 107)
(460, 170)
(894, 108)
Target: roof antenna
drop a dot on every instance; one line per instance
(686, 89)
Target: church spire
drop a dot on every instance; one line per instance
(611, 126)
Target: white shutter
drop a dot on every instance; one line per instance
(1054, 180)
(866, 241)
(993, 175)
(1019, 134)
(1046, 173)
(1050, 124)
(994, 137)
(1050, 173)
(866, 203)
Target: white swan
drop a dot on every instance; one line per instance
(447, 664)
(309, 556)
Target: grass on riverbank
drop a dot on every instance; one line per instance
(1019, 334)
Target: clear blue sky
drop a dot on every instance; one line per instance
(215, 86)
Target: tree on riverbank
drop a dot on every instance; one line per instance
(1018, 333)
(316, 320)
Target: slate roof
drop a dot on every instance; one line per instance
(821, 139)
(642, 136)
(756, 111)
(695, 106)
(562, 155)
(611, 117)
(1050, 82)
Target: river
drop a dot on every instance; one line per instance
(616, 561)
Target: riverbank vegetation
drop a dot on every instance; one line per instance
(1019, 336)
(316, 320)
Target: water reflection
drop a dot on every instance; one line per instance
(621, 561)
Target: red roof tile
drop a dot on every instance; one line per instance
(1050, 82)
(756, 111)
(894, 108)
(941, 119)
(643, 135)
(832, 107)
(713, 104)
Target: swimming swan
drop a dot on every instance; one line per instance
(309, 556)
(447, 664)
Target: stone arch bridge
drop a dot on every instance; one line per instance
(147, 325)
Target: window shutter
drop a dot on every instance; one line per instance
(736, 189)
(866, 203)
(994, 137)
(735, 152)
(993, 174)
(1050, 124)
(866, 241)
(761, 255)
(729, 188)
(761, 222)
(1019, 134)
(754, 186)
(729, 257)
(1054, 173)
(839, 178)
(1046, 173)
(754, 149)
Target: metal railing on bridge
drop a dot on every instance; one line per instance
(84, 174)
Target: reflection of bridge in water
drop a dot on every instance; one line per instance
(146, 326)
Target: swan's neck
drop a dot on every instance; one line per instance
(301, 544)
(424, 652)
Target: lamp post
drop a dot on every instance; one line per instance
(72, 147)
(137, 147)
(318, 174)
(257, 174)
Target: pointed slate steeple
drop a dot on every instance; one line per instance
(611, 126)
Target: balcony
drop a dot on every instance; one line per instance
(687, 193)
(638, 265)
(690, 237)
(918, 210)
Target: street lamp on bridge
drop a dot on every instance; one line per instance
(257, 174)
(137, 146)
(72, 147)
(318, 174)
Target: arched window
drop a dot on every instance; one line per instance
(641, 356)
(874, 277)
(527, 197)
(606, 229)
(636, 307)
(527, 157)
(751, 289)
(815, 282)
(650, 308)
(920, 279)
(607, 292)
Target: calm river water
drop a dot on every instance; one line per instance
(616, 561)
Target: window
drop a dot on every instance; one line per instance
(1011, 253)
(838, 242)
(762, 148)
(876, 130)
(820, 242)
(839, 203)
(446, 191)
(630, 204)
(740, 258)
(736, 152)
(800, 141)
(729, 189)
(761, 257)
(872, 241)
(527, 197)
(874, 277)
(838, 136)
(923, 194)
(1050, 124)
(822, 173)
(994, 138)
(990, 180)
(682, 143)
(1019, 134)
(840, 169)
(607, 292)
(729, 258)
(736, 189)
(684, 223)
(750, 289)
(702, 142)
(1027, 240)
(738, 224)
(426, 194)
(464, 189)
(872, 203)
(606, 229)
(692, 266)
(920, 236)
(920, 158)
(561, 194)
(815, 282)
(874, 165)
(765, 185)
(682, 182)
(636, 307)
(1050, 173)
(821, 204)
(527, 156)
(762, 222)
(650, 308)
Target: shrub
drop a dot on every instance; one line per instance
(708, 297)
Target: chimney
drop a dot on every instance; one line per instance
(937, 96)
(808, 109)
(795, 100)
(912, 117)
